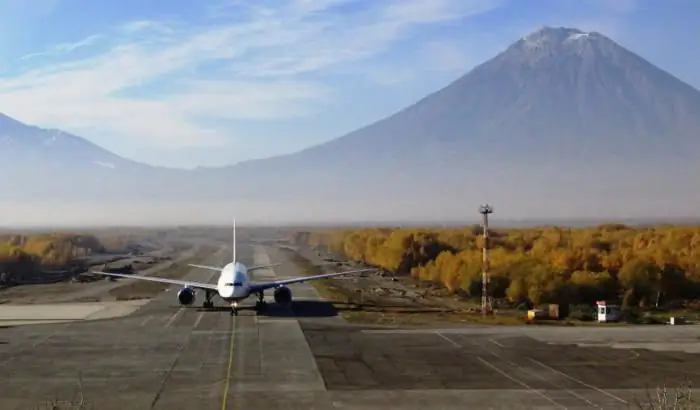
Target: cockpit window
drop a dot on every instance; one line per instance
(237, 283)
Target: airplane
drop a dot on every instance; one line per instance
(234, 284)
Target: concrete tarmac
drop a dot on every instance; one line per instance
(164, 356)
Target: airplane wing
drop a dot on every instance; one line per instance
(205, 267)
(197, 285)
(256, 287)
(256, 267)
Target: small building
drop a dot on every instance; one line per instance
(607, 312)
(535, 314)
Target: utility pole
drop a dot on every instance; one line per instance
(486, 307)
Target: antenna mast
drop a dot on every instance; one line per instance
(486, 305)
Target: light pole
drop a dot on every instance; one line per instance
(486, 307)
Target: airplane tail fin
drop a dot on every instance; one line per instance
(234, 240)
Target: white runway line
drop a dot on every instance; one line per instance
(452, 342)
(199, 319)
(520, 382)
(175, 316)
(621, 400)
(496, 343)
(539, 376)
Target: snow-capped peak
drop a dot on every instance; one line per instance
(551, 36)
(577, 36)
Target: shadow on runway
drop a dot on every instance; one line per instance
(393, 309)
(299, 308)
(302, 308)
(325, 309)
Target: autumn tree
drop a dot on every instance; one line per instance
(650, 265)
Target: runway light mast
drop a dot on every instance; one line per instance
(486, 306)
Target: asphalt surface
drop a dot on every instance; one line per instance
(164, 356)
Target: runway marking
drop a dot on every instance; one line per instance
(199, 319)
(146, 320)
(230, 364)
(452, 342)
(515, 365)
(496, 343)
(210, 332)
(621, 400)
(174, 316)
(260, 347)
(520, 382)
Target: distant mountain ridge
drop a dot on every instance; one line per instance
(561, 116)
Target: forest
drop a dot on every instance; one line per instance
(28, 253)
(638, 267)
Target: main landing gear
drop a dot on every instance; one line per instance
(260, 304)
(208, 304)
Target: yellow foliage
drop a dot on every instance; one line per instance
(539, 264)
(27, 252)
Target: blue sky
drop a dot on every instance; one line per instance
(213, 82)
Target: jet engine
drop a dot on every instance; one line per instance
(186, 296)
(283, 295)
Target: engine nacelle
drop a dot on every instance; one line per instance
(283, 295)
(186, 296)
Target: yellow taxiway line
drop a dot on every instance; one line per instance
(230, 364)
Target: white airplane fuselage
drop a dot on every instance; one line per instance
(233, 283)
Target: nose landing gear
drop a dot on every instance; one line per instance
(234, 309)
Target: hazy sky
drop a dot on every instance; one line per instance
(213, 82)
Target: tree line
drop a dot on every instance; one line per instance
(650, 266)
(29, 253)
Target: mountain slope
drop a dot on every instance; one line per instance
(20, 143)
(552, 92)
(559, 106)
(51, 164)
(562, 122)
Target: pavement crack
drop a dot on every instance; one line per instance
(169, 372)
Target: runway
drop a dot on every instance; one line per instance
(164, 356)
(161, 356)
